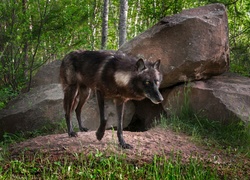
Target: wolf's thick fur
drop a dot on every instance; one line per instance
(111, 75)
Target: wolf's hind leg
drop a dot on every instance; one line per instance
(103, 121)
(69, 102)
(83, 95)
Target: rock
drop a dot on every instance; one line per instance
(33, 110)
(225, 98)
(47, 74)
(192, 45)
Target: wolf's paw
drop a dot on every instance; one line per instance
(126, 146)
(83, 129)
(99, 135)
(73, 134)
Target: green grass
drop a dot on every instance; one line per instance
(99, 166)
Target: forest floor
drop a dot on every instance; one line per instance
(146, 145)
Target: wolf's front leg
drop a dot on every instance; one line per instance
(71, 132)
(120, 112)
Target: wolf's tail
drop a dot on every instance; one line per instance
(67, 71)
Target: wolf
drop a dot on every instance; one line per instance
(110, 74)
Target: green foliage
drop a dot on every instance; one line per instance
(6, 93)
(34, 32)
(239, 36)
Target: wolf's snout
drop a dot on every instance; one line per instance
(159, 100)
(155, 99)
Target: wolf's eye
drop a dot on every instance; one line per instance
(147, 82)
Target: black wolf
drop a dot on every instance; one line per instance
(112, 75)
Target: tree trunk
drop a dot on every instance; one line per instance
(123, 21)
(105, 24)
(25, 63)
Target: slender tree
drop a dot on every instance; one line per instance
(25, 62)
(105, 24)
(123, 21)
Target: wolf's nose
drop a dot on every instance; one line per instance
(160, 98)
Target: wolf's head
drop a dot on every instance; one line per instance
(149, 79)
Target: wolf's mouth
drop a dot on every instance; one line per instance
(155, 100)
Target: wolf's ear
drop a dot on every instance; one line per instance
(140, 65)
(157, 64)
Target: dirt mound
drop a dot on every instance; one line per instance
(146, 145)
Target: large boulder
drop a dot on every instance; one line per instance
(33, 110)
(47, 74)
(192, 45)
(225, 98)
